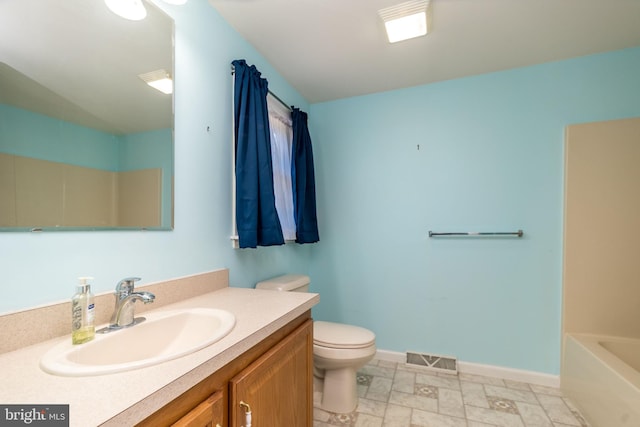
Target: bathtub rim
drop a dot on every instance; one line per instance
(591, 343)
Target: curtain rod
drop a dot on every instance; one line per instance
(280, 101)
(233, 71)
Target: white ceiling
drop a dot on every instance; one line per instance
(77, 61)
(331, 49)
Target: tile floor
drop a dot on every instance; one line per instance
(394, 395)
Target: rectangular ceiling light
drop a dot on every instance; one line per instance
(405, 20)
(159, 79)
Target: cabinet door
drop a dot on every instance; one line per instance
(207, 414)
(278, 387)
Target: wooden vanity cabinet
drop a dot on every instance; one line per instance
(274, 377)
(278, 387)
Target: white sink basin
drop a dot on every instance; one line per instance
(165, 335)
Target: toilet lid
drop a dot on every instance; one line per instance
(338, 335)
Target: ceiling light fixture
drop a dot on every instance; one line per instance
(129, 9)
(159, 79)
(405, 20)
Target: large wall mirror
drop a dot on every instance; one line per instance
(85, 142)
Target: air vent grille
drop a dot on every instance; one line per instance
(433, 362)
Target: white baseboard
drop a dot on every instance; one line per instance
(391, 356)
(521, 375)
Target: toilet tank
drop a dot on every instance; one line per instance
(287, 283)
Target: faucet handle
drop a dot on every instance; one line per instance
(125, 286)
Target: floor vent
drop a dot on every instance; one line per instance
(433, 362)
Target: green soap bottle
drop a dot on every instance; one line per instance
(82, 313)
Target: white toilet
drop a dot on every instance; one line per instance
(338, 351)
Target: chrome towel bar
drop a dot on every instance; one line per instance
(518, 233)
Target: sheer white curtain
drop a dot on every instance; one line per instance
(281, 143)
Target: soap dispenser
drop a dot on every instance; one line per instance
(82, 313)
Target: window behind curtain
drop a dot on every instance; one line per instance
(281, 143)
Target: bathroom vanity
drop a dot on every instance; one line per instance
(273, 382)
(265, 362)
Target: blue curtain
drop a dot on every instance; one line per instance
(256, 216)
(303, 178)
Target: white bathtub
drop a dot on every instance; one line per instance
(601, 376)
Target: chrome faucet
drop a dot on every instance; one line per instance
(125, 299)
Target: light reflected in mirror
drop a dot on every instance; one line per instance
(85, 143)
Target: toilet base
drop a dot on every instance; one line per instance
(339, 390)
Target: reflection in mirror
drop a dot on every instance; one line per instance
(85, 142)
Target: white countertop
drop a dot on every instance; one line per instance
(126, 398)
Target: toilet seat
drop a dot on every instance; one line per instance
(342, 355)
(341, 336)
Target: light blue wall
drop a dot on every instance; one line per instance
(42, 267)
(23, 133)
(490, 159)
